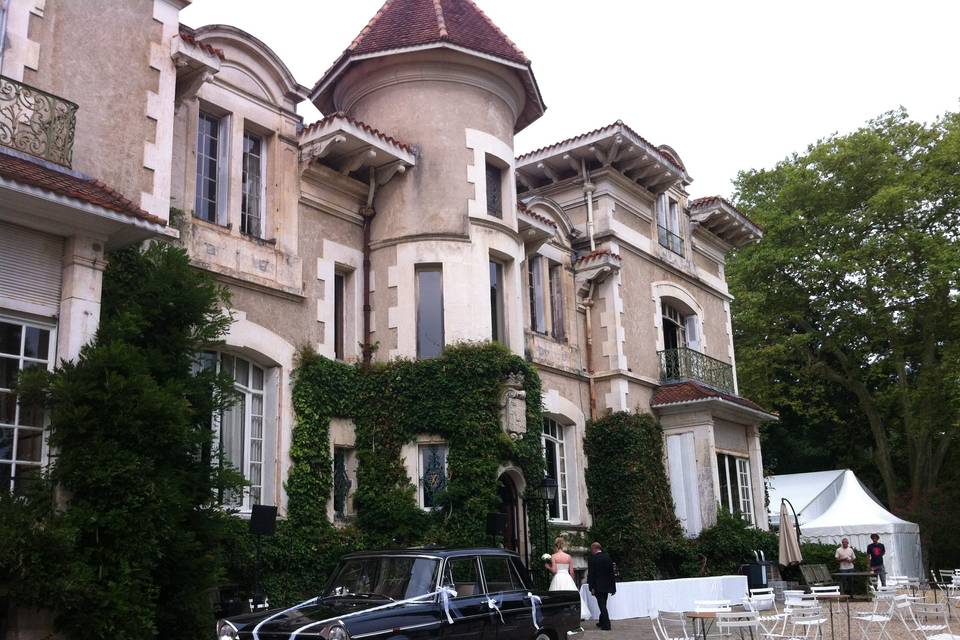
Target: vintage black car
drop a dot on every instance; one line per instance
(468, 594)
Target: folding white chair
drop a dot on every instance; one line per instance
(873, 626)
(825, 589)
(669, 625)
(742, 622)
(805, 622)
(765, 606)
(928, 621)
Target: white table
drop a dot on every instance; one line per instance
(638, 599)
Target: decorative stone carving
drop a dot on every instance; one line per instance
(513, 407)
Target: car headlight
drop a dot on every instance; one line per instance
(337, 632)
(226, 631)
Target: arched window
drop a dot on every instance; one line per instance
(239, 429)
(681, 328)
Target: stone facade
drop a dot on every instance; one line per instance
(404, 220)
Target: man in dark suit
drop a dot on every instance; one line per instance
(601, 580)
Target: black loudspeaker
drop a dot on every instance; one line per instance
(496, 523)
(263, 520)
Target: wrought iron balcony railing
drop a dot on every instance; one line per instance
(670, 240)
(36, 122)
(686, 364)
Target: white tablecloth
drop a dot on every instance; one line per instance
(638, 599)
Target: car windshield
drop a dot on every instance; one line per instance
(393, 577)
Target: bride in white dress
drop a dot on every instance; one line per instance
(561, 566)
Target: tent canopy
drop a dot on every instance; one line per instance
(834, 504)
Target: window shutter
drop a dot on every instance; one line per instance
(32, 264)
(693, 332)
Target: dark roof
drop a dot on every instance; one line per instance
(189, 35)
(357, 123)
(440, 552)
(71, 185)
(409, 23)
(596, 253)
(691, 391)
(710, 201)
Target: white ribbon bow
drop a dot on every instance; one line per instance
(445, 594)
(535, 603)
(495, 606)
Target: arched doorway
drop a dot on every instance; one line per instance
(510, 508)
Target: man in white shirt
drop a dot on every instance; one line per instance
(845, 556)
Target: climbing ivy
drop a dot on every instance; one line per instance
(629, 495)
(455, 397)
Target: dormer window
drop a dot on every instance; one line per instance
(668, 224)
(494, 191)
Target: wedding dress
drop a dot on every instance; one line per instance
(562, 581)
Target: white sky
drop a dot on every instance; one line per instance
(729, 84)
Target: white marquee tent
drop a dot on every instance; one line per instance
(832, 505)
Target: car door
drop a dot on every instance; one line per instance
(505, 586)
(469, 609)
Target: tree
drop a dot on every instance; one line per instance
(135, 544)
(851, 299)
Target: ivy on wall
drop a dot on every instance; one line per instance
(629, 495)
(455, 397)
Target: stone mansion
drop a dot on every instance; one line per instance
(399, 223)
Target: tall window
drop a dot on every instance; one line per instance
(342, 484)
(558, 319)
(240, 428)
(668, 224)
(338, 315)
(556, 459)
(22, 346)
(494, 191)
(497, 321)
(433, 473)
(429, 311)
(674, 327)
(210, 160)
(538, 322)
(251, 204)
(736, 490)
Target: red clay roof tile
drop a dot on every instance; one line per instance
(361, 125)
(596, 253)
(533, 214)
(691, 391)
(409, 23)
(86, 189)
(188, 36)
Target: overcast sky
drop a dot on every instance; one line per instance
(730, 85)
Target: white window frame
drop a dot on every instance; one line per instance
(50, 362)
(420, 468)
(262, 214)
(744, 499)
(561, 464)
(223, 168)
(246, 503)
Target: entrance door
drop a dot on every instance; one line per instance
(509, 507)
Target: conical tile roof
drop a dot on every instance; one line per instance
(409, 23)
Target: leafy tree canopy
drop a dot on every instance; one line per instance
(848, 312)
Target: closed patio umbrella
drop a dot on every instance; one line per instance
(789, 538)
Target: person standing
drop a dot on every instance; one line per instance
(845, 556)
(876, 551)
(601, 581)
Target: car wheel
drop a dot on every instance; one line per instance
(543, 635)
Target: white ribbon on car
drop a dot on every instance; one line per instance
(495, 606)
(535, 604)
(444, 592)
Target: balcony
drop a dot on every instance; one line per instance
(36, 122)
(677, 365)
(670, 240)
